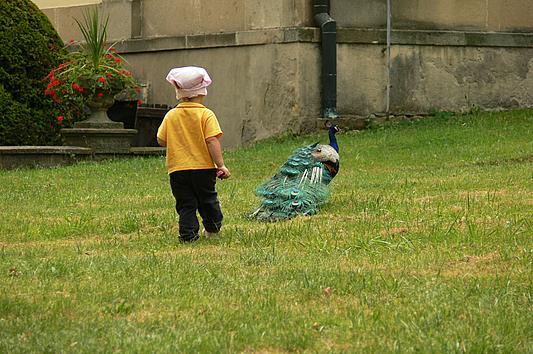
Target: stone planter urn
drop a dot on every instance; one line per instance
(98, 132)
(98, 117)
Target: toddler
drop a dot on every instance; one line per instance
(190, 132)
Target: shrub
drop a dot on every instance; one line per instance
(29, 48)
(21, 125)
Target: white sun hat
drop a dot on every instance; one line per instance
(189, 81)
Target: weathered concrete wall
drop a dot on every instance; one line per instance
(257, 90)
(483, 15)
(120, 23)
(265, 59)
(208, 16)
(470, 15)
(434, 77)
(163, 18)
(361, 79)
(460, 78)
(152, 18)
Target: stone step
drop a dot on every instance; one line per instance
(13, 157)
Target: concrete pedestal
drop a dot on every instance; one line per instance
(100, 140)
(99, 133)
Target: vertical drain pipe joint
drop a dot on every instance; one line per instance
(328, 31)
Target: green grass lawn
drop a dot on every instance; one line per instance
(426, 245)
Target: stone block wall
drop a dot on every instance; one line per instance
(432, 70)
(264, 56)
(257, 90)
(176, 18)
(166, 18)
(455, 15)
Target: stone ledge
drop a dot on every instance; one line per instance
(437, 38)
(345, 35)
(16, 157)
(13, 157)
(223, 39)
(100, 131)
(45, 150)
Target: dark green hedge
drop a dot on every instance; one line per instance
(21, 125)
(29, 48)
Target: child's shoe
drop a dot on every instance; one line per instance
(191, 239)
(208, 234)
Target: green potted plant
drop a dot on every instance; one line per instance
(91, 75)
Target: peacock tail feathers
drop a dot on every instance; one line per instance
(300, 186)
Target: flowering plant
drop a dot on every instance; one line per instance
(90, 75)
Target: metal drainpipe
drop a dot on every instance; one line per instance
(328, 30)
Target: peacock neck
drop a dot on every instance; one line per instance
(333, 140)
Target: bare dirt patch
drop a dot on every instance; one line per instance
(474, 265)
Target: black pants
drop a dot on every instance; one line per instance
(195, 190)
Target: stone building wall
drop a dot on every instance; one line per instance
(264, 56)
(455, 15)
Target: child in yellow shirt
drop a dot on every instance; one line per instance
(194, 158)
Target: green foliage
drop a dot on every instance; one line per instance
(95, 35)
(29, 48)
(21, 125)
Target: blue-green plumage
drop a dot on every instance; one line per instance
(302, 183)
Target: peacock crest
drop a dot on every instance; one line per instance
(301, 185)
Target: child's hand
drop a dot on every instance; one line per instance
(223, 172)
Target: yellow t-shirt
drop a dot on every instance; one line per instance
(185, 130)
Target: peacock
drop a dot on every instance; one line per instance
(302, 183)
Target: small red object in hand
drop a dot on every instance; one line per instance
(220, 173)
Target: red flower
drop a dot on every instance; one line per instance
(53, 83)
(109, 56)
(59, 119)
(108, 74)
(100, 94)
(48, 92)
(139, 102)
(112, 50)
(77, 87)
(101, 79)
(138, 90)
(118, 60)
